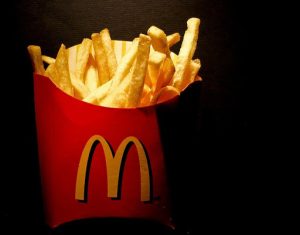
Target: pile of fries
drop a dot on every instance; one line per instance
(148, 73)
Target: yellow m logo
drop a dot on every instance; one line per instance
(113, 166)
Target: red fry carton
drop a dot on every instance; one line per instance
(99, 162)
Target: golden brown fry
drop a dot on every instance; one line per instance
(139, 72)
(146, 96)
(109, 52)
(186, 52)
(99, 94)
(174, 58)
(164, 94)
(80, 90)
(166, 73)
(52, 73)
(36, 59)
(48, 59)
(159, 40)
(91, 74)
(62, 68)
(156, 59)
(82, 58)
(191, 72)
(101, 60)
(173, 39)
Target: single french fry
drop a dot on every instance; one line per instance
(83, 53)
(155, 61)
(186, 52)
(91, 74)
(36, 59)
(101, 60)
(48, 59)
(159, 40)
(164, 94)
(146, 96)
(173, 39)
(52, 73)
(80, 90)
(72, 53)
(109, 52)
(62, 67)
(139, 72)
(191, 72)
(174, 57)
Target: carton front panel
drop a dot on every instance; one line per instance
(98, 162)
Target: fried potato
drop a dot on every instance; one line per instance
(91, 74)
(164, 94)
(146, 96)
(83, 53)
(97, 96)
(101, 60)
(192, 70)
(159, 40)
(36, 59)
(173, 39)
(128, 93)
(104, 55)
(154, 64)
(139, 72)
(80, 90)
(186, 52)
(160, 43)
(62, 68)
(109, 52)
(124, 74)
(52, 73)
(48, 59)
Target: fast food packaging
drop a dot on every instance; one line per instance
(100, 162)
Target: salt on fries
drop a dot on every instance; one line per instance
(148, 73)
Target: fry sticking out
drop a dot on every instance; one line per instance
(186, 52)
(160, 43)
(36, 58)
(173, 39)
(62, 68)
(48, 59)
(82, 58)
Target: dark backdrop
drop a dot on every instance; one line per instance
(222, 140)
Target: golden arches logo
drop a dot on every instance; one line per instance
(113, 167)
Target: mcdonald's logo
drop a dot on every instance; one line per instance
(113, 167)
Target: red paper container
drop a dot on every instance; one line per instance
(98, 162)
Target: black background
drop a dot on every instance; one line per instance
(223, 144)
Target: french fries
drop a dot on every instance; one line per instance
(36, 59)
(123, 74)
(186, 53)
